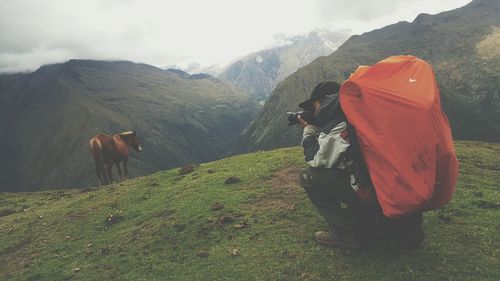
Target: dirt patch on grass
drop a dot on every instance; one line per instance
(6, 212)
(283, 192)
(286, 177)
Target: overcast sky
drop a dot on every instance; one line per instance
(167, 32)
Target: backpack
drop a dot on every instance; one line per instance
(404, 137)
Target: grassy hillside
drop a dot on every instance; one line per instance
(461, 45)
(168, 226)
(47, 118)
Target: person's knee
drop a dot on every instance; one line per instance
(316, 178)
(306, 180)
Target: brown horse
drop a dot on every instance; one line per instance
(108, 150)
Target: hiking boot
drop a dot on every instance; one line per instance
(335, 238)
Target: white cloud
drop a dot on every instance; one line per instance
(35, 32)
(359, 10)
(363, 16)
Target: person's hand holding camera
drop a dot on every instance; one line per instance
(301, 122)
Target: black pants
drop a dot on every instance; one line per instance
(332, 195)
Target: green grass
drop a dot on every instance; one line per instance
(163, 228)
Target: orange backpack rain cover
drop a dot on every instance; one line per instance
(404, 135)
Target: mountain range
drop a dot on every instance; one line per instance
(461, 44)
(258, 73)
(47, 118)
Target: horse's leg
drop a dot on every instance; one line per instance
(125, 168)
(109, 167)
(104, 176)
(97, 154)
(98, 173)
(119, 171)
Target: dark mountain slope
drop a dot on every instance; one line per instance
(461, 44)
(47, 118)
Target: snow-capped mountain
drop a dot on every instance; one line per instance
(258, 73)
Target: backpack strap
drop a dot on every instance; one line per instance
(360, 177)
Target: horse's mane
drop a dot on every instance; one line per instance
(127, 134)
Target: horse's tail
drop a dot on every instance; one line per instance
(96, 150)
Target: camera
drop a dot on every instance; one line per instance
(293, 117)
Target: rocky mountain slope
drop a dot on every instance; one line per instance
(462, 45)
(257, 74)
(47, 118)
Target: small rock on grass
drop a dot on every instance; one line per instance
(203, 254)
(235, 252)
(186, 169)
(232, 180)
(76, 269)
(225, 219)
(217, 206)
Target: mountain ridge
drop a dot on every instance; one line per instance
(469, 85)
(258, 73)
